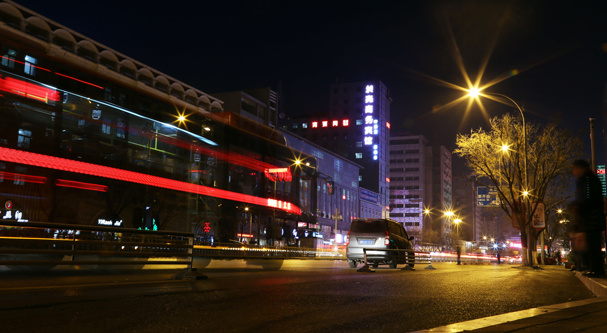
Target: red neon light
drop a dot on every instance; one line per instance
(82, 81)
(387, 180)
(335, 123)
(279, 174)
(28, 90)
(81, 185)
(345, 122)
(387, 124)
(245, 235)
(29, 63)
(325, 123)
(57, 163)
(314, 124)
(23, 178)
(600, 171)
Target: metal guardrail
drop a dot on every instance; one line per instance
(35, 243)
(51, 244)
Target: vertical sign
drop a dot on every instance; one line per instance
(371, 124)
(600, 171)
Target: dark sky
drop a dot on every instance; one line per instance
(557, 47)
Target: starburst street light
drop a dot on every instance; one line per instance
(505, 148)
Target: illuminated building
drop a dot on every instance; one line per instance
(337, 175)
(357, 127)
(442, 186)
(91, 136)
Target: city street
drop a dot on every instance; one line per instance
(303, 296)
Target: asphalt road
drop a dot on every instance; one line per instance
(304, 296)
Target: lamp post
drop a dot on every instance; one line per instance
(475, 93)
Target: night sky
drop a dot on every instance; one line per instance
(557, 48)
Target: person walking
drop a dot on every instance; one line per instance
(588, 211)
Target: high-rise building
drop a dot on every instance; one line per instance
(442, 189)
(466, 208)
(410, 181)
(357, 127)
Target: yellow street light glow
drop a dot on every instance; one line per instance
(485, 237)
(492, 239)
(427, 211)
(297, 162)
(560, 211)
(505, 148)
(246, 209)
(474, 92)
(449, 213)
(457, 221)
(181, 119)
(525, 193)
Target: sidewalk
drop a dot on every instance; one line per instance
(588, 315)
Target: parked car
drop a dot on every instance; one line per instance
(375, 235)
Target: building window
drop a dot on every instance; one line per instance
(396, 152)
(359, 144)
(304, 125)
(396, 214)
(411, 214)
(412, 151)
(416, 187)
(412, 196)
(24, 138)
(359, 155)
(294, 125)
(411, 169)
(8, 60)
(30, 65)
(359, 121)
(411, 206)
(360, 178)
(412, 160)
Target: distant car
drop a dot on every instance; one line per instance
(376, 235)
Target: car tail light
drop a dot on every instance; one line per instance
(347, 240)
(387, 239)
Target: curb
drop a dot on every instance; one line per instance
(510, 317)
(598, 289)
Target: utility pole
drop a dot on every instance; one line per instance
(592, 145)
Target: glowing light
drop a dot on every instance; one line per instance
(505, 148)
(449, 213)
(57, 163)
(81, 81)
(525, 193)
(457, 221)
(426, 211)
(335, 123)
(560, 211)
(387, 124)
(314, 124)
(345, 123)
(22, 178)
(81, 185)
(28, 90)
(473, 92)
(325, 123)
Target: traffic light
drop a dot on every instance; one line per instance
(330, 187)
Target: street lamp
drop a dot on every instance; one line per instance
(475, 93)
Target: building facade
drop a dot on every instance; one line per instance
(442, 186)
(410, 182)
(259, 105)
(466, 207)
(91, 136)
(336, 193)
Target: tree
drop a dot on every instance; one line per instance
(497, 157)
